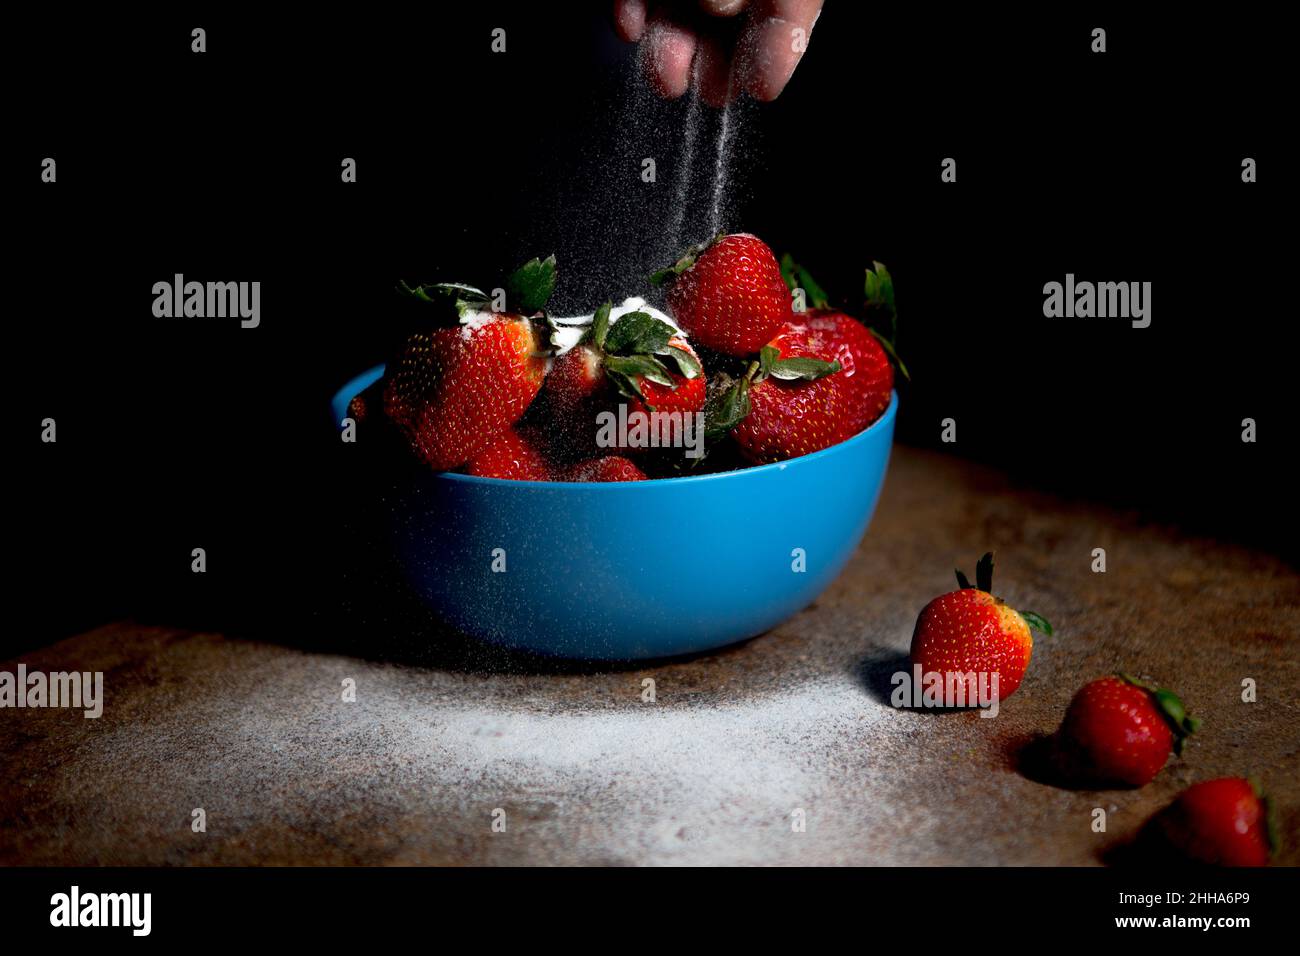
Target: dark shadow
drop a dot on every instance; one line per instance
(1034, 758)
(355, 602)
(875, 674)
(1149, 849)
(386, 622)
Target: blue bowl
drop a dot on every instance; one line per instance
(632, 570)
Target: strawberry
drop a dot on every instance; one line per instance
(642, 358)
(685, 394)
(510, 456)
(485, 375)
(786, 407)
(409, 378)
(457, 384)
(729, 295)
(575, 376)
(639, 358)
(970, 630)
(366, 402)
(609, 468)
(795, 416)
(866, 378)
(841, 382)
(1223, 822)
(1119, 732)
(878, 302)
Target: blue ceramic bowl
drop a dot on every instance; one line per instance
(628, 570)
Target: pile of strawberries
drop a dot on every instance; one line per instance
(1117, 731)
(487, 387)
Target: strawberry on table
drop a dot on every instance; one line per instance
(729, 295)
(470, 373)
(971, 630)
(512, 456)
(1221, 822)
(1119, 731)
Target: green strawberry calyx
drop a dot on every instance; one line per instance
(878, 289)
(1171, 708)
(688, 258)
(984, 582)
(453, 300)
(797, 277)
(529, 287)
(879, 297)
(637, 348)
(732, 405)
(527, 290)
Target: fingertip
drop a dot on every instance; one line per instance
(772, 45)
(629, 19)
(669, 50)
(767, 60)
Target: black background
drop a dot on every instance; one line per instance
(908, 905)
(175, 434)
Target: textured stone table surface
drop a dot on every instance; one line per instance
(257, 735)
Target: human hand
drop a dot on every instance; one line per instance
(694, 38)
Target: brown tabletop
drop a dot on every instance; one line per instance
(583, 770)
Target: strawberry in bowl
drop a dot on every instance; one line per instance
(519, 522)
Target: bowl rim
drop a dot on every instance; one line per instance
(362, 381)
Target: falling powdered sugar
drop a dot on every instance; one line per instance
(655, 177)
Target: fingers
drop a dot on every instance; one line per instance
(629, 19)
(668, 51)
(772, 44)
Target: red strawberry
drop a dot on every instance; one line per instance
(1119, 732)
(866, 377)
(774, 416)
(484, 377)
(729, 296)
(456, 386)
(609, 468)
(409, 379)
(365, 403)
(638, 357)
(511, 456)
(574, 376)
(685, 395)
(1221, 822)
(785, 403)
(970, 630)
